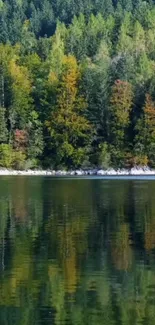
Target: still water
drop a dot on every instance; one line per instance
(77, 251)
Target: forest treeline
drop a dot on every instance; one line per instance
(77, 83)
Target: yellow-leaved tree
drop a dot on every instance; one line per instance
(68, 127)
(21, 92)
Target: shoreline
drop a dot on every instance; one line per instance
(135, 171)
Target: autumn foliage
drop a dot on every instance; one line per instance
(121, 102)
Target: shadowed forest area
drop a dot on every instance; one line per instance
(77, 83)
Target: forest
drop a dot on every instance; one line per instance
(77, 83)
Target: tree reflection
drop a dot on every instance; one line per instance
(76, 252)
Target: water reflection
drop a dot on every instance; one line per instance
(77, 251)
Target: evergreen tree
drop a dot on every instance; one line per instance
(3, 126)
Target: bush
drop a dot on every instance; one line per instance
(151, 155)
(140, 155)
(19, 160)
(140, 160)
(31, 163)
(6, 155)
(117, 157)
(104, 159)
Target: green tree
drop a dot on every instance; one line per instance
(145, 138)
(121, 105)
(3, 126)
(77, 37)
(35, 138)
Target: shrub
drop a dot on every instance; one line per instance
(141, 160)
(104, 159)
(6, 155)
(19, 160)
(31, 163)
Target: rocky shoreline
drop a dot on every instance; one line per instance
(135, 171)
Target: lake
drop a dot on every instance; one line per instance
(77, 251)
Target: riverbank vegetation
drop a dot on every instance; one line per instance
(77, 84)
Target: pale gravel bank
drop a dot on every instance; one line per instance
(139, 171)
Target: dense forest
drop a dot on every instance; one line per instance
(77, 83)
